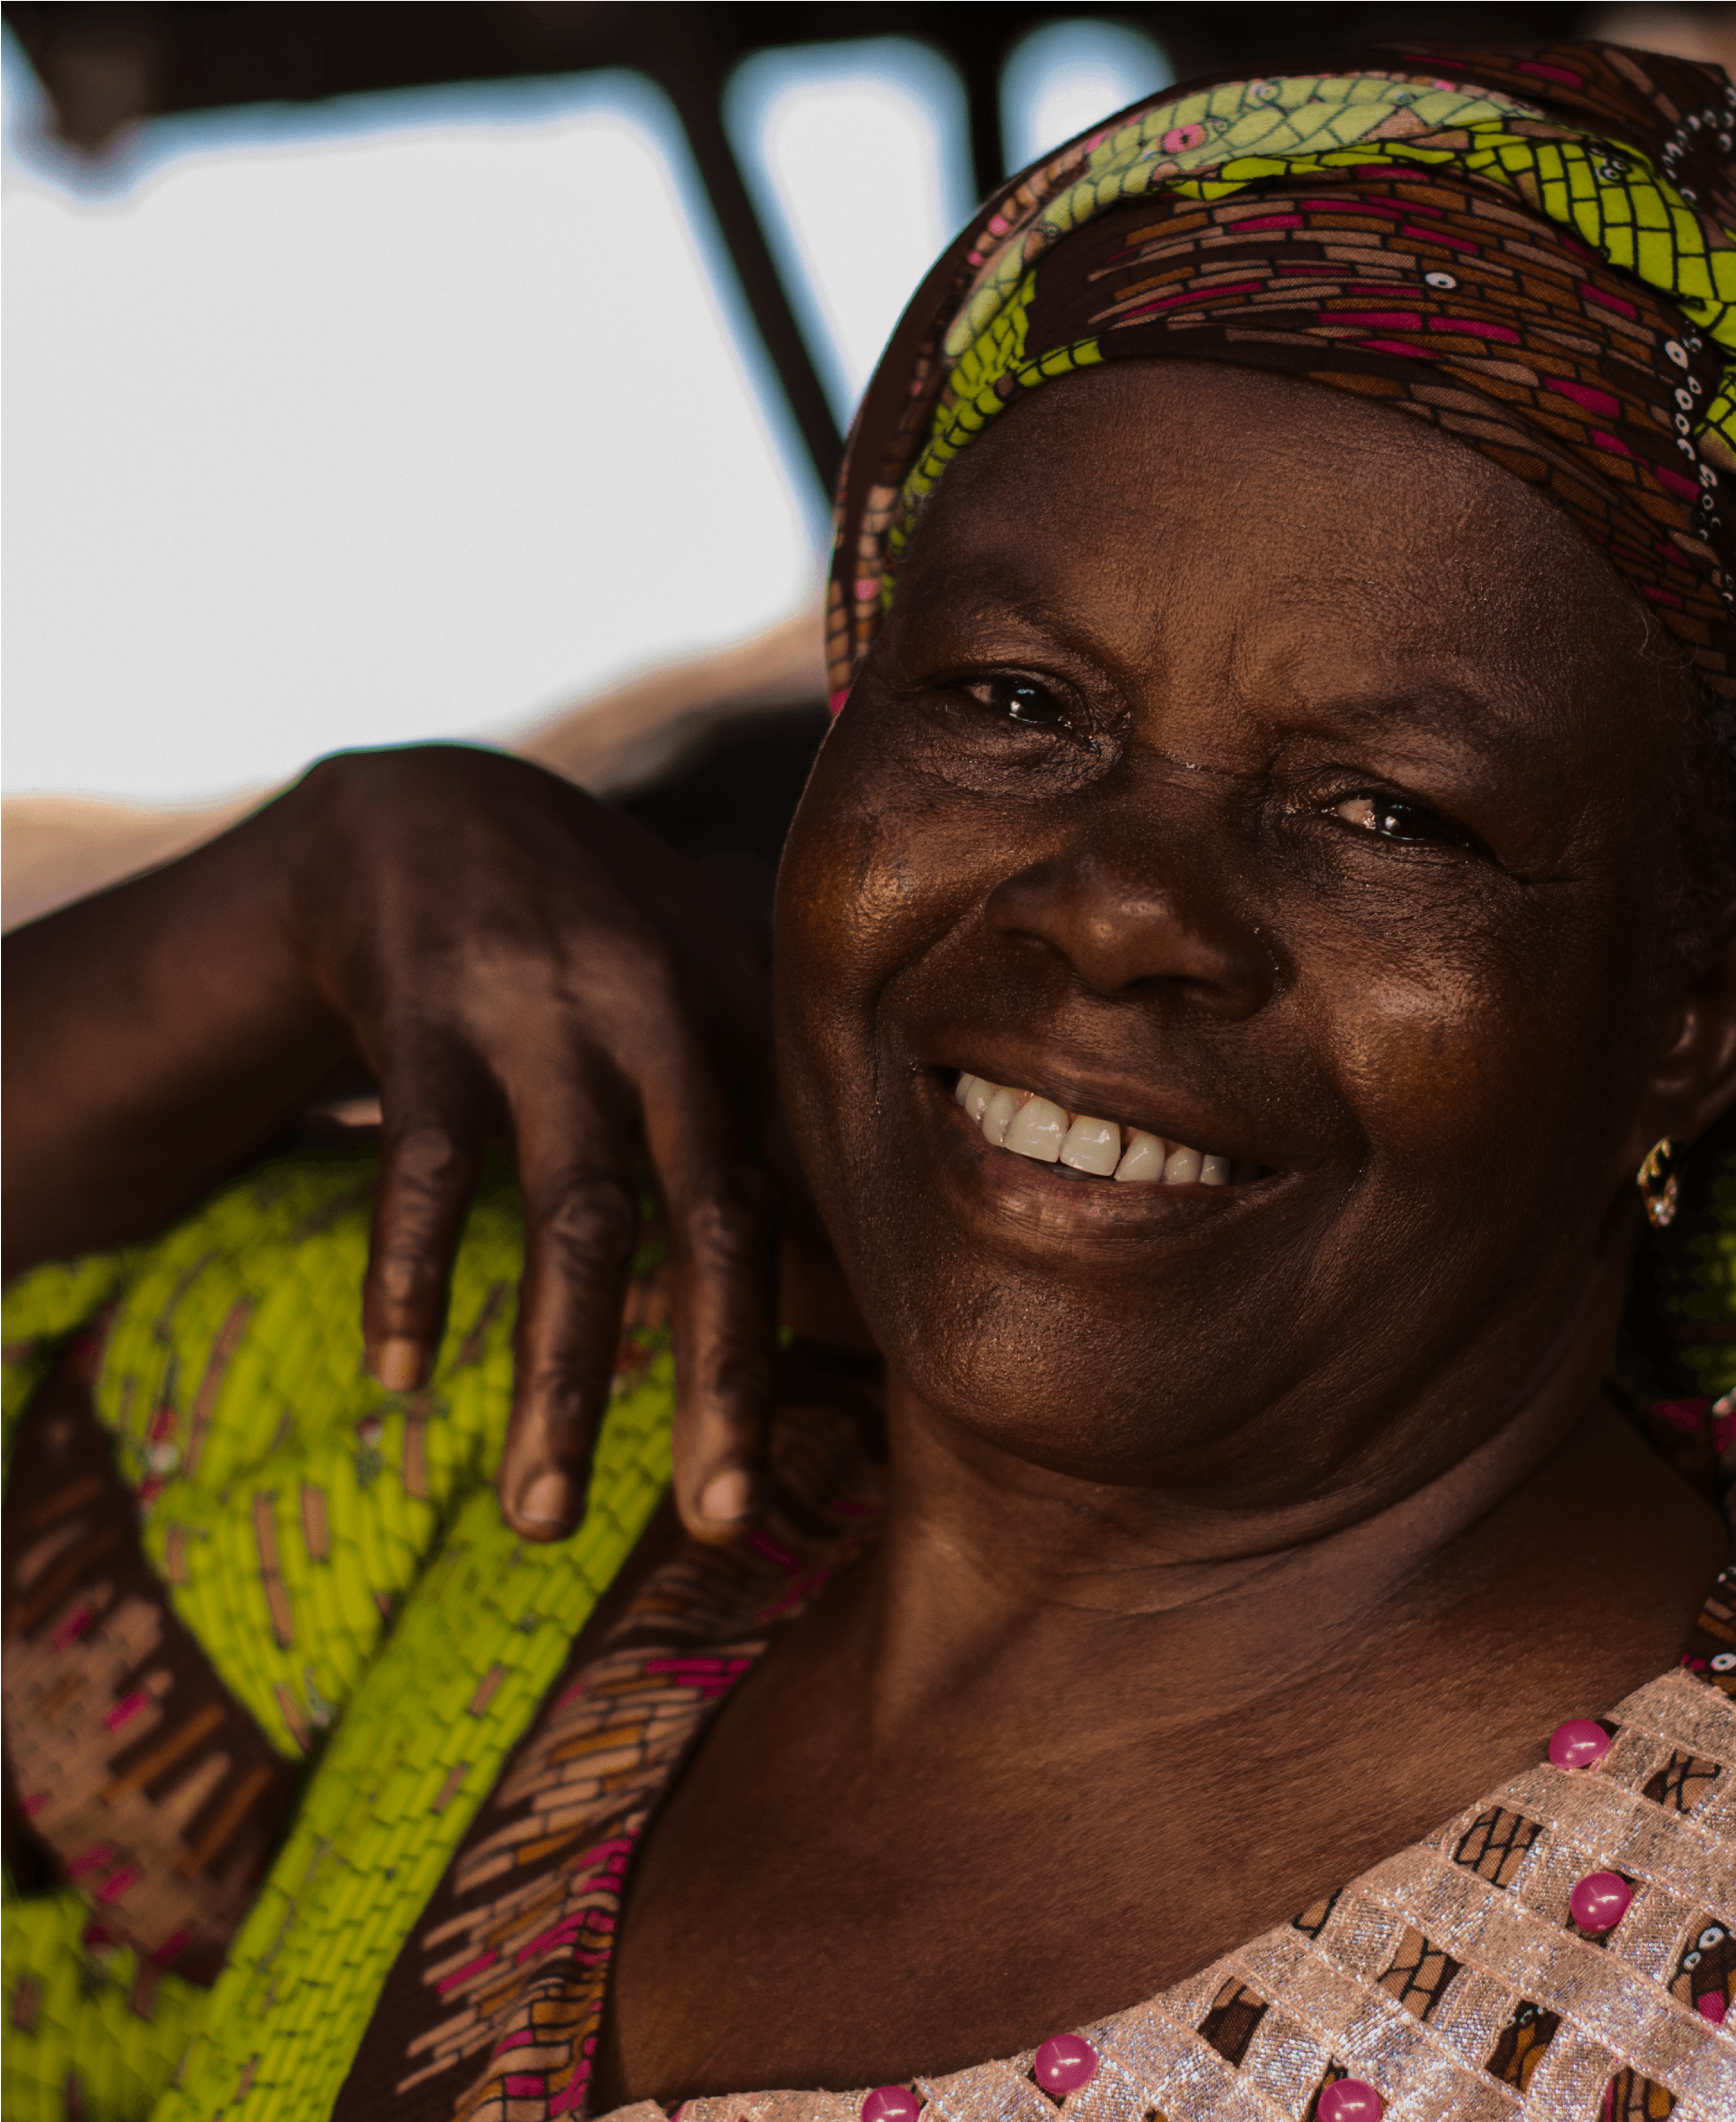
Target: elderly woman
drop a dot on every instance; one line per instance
(1267, 893)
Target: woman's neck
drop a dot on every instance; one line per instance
(1055, 1745)
(986, 1556)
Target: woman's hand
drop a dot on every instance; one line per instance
(497, 948)
(503, 948)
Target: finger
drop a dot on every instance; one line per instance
(428, 1160)
(723, 1228)
(726, 1323)
(581, 1227)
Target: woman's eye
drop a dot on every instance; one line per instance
(1022, 700)
(1391, 818)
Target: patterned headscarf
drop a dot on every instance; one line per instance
(1530, 248)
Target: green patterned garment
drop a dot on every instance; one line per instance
(338, 1555)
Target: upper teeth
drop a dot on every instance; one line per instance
(1030, 1126)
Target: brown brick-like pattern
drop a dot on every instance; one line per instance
(1495, 1844)
(1682, 1781)
(1315, 1919)
(1631, 2098)
(142, 1780)
(1229, 2026)
(1420, 1973)
(1515, 2056)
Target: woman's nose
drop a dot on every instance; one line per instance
(1120, 922)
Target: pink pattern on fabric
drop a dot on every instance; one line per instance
(464, 1973)
(1686, 1414)
(1439, 235)
(1474, 328)
(540, 1883)
(1583, 395)
(72, 1627)
(1343, 202)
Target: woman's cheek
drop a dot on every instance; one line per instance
(1467, 1070)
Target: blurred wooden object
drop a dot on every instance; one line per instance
(1704, 30)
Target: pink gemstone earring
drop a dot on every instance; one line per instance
(1659, 1199)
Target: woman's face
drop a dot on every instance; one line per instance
(1239, 764)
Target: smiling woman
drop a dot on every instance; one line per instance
(1181, 1614)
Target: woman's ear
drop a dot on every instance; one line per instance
(1694, 1080)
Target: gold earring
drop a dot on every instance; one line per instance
(1660, 1201)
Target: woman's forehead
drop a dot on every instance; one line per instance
(1210, 489)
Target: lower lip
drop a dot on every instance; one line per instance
(1024, 1187)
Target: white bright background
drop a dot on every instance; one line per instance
(424, 414)
(1068, 74)
(417, 428)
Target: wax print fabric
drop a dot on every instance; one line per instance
(1531, 250)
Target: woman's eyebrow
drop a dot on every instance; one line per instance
(979, 603)
(1444, 727)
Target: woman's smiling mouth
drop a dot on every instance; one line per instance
(1082, 1145)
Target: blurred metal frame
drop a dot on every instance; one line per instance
(105, 65)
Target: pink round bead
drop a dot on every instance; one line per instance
(1064, 2063)
(1713, 2005)
(1350, 2100)
(1600, 1900)
(1578, 1743)
(891, 2103)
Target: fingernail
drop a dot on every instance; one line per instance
(727, 1495)
(546, 1499)
(398, 1365)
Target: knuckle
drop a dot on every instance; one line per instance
(730, 1219)
(589, 1223)
(564, 1391)
(424, 1157)
(739, 1384)
(403, 1280)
